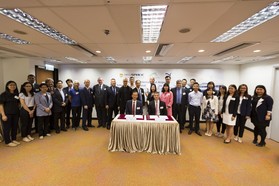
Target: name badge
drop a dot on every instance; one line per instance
(233, 99)
(66, 95)
(77, 93)
(91, 92)
(105, 89)
(245, 98)
(184, 93)
(161, 107)
(138, 108)
(16, 97)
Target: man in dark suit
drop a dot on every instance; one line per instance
(87, 102)
(140, 92)
(134, 106)
(157, 107)
(59, 107)
(112, 101)
(100, 97)
(124, 94)
(180, 102)
(68, 103)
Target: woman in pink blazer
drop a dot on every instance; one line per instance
(167, 97)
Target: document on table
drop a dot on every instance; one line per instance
(133, 117)
(156, 117)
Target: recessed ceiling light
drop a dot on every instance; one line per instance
(201, 50)
(269, 12)
(147, 59)
(224, 59)
(98, 51)
(256, 51)
(185, 59)
(148, 51)
(13, 39)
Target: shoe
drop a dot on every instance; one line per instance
(187, 127)
(85, 128)
(91, 126)
(16, 142)
(227, 142)
(99, 126)
(30, 138)
(48, 135)
(221, 135)
(180, 131)
(11, 144)
(104, 126)
(108, 127)
(26, 139)
(206, 134)
(68, 126)
(65, 130)
(41, 137)
(217, 134)
(235, 138)
(260, 144)
(198, 133)
(255, 142)
(209, 134)
(57, 132)
(190, 132)
(240, 140)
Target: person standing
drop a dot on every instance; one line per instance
(140, 92)
(157, 107)
(112, 101)
(243, 112)
(124, 94)
(87, 102)
(221, 95)
(68, 103)
(27, 111)
(180, 102)
(261, 113)
(74, 96)
(167, 97)
(150, 96)
(31, 79)
(132, 82)
(44, 104)
(229, 111)
(195, 101)
(134, 106)
(59, 107)
(9, 109)
(100, 97)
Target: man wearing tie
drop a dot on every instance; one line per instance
(124, 94)
(68, 103)
(134, 106)
(100, 96)
(74, 97)
(112, 101)
(59, 99)
(140, 92)
(157, 107)
(87, 102)
(180, 102)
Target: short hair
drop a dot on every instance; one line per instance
(138, 81)
(69, 80)
(156, 92)
(184, 79)
(30, 75)
(196, 83)
(112, 79)
(59, 81)
(193, 79)
(167, 77)
(178, 81)
(42, 84)
(131, 77)
(125, 80)
(76, 81)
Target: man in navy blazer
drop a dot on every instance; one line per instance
(180, 102)
(87, 102)
(134, 106)
(68, 103)
(160, 109)
(112, 101)
(141, 96)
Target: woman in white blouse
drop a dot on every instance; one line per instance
(209, 110)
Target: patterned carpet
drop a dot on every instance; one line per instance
(81, 158)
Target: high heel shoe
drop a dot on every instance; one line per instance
(227, 142)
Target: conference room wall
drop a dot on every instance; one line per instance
(1, 76)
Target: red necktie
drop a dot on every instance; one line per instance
(133, 108)
(157, 113)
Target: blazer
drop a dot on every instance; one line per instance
(124, 94)
(245, 106)
(142, 94)
(184, 97)
(112, 97)
(86, 97)
(213, 103)
(128, 109)
(233, 105)
(42, 104)
(67, 92)
(152, 108)
(100, 95)
(58, 100)
(260, 107)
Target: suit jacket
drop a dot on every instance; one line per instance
(67, 92)
(112, 97)
(58, 101)
(86, 96)
(233, 105)
(260, 107)
(246, 107)
(42, 104)
(124, 94)
(184, 97)
(152, 108)
(138, 107)
(36, 87)
(142, 94)
(100, 95)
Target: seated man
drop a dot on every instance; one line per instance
(157, 107)
(134, 106)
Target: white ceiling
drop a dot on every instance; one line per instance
(85, 21)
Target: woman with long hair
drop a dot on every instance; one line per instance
(221, 95)
(167, 97)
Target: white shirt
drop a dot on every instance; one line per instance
(29, 100)
(135, 108)
(157, 109)
(195, 98)
(213, 103)
(240, 101)
(62, 94)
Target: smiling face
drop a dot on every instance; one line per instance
(260, 91)
(135, 95)
(231, 90)
(11, 86)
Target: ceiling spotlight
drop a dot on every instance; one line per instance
(256, 51)
(148, 51)
(200, 51)
(98, 51)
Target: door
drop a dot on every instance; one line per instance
(275, 116)
(42, 74)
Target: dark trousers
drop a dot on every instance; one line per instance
(112, 110)
(76, 112)
(101, 115)
(87, 116)
(59, 115)
(219, 123)
(51, 122)
(26, 122)
(194, 112)
(10, 128)
(36, 122)
(239, 126)
(184, 115)
(43, 125)
(260, 129)
(68, 114)
(178, 112)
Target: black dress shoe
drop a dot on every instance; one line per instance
(99, 126)
(85, 128)
(90, 126)
(65, 130)
(180, 131)
(57, 132)
(68, 126)
(187, 127)
(260, 144)
(104, 126)
(255, 142)
(190, 132)
(198, 133)
(108, 127)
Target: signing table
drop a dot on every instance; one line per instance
(150, 134)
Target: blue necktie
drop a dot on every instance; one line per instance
(140, 96)
(178, 97)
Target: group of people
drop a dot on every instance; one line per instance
(51, 106)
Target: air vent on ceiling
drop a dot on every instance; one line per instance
(235, 48)
(83, 50)
(163, 49)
